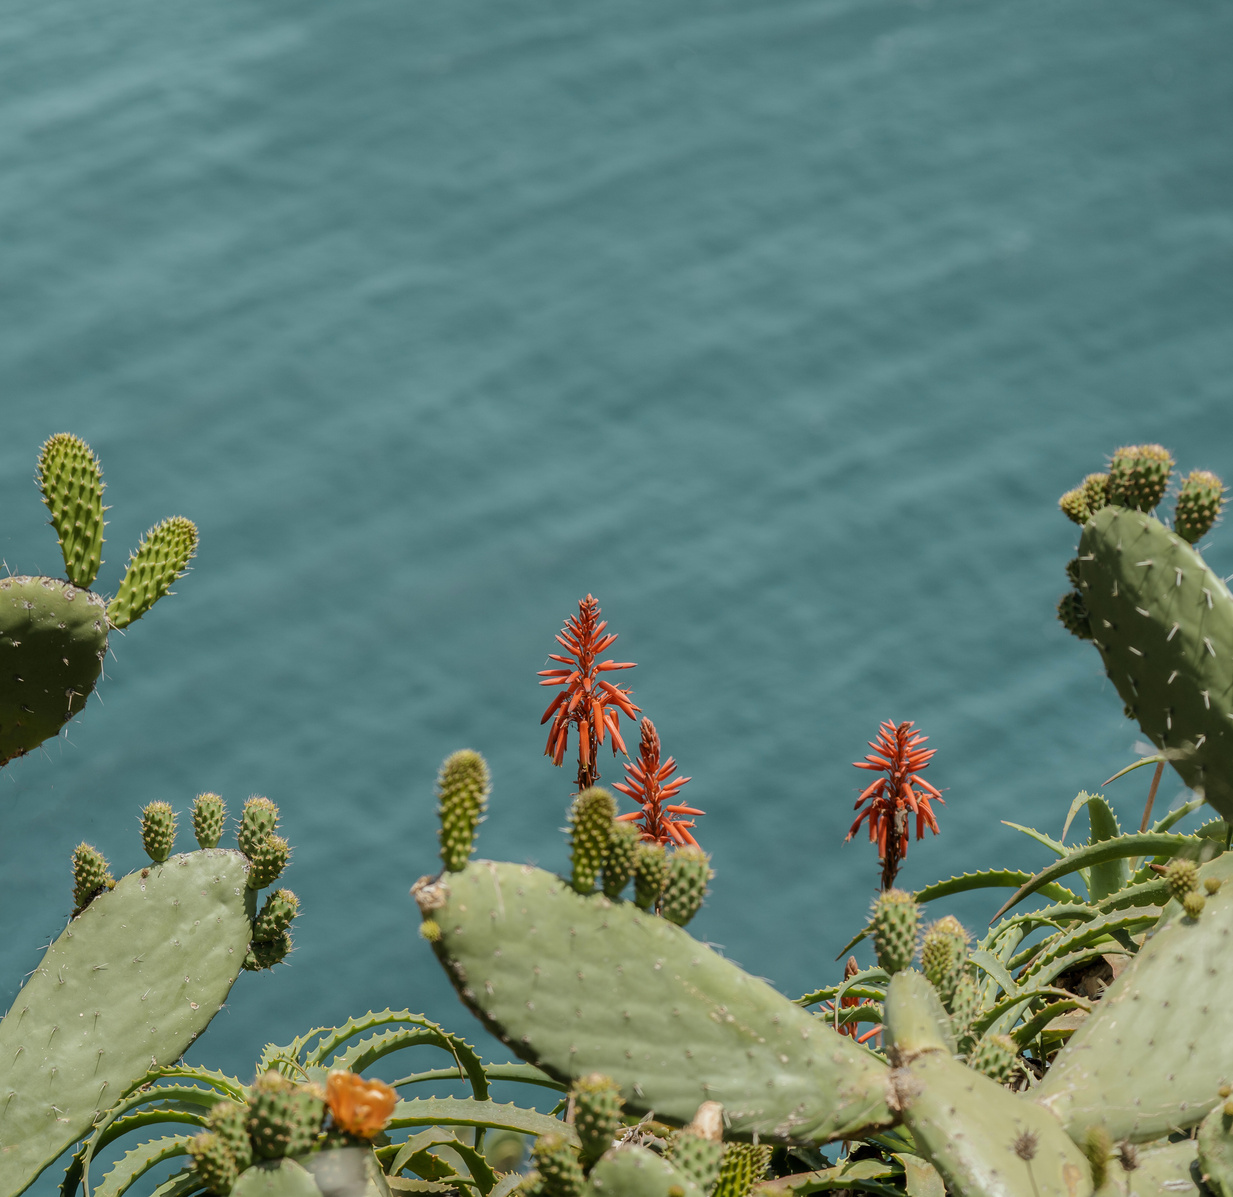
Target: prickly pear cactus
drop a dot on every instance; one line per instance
(633, 1171)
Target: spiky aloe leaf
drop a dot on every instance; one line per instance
(162, 557)
(71, 479)
(466, 1111)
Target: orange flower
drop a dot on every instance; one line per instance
(893, 799)
(361, 1107)
(650, 788)
(850, 1028)
(587, 701)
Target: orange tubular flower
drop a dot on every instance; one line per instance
(361, 1107)
(587, 701)
(894, 798)
(650, 788)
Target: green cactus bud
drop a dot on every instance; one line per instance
(1139, 476)
(1198, 505)
(531, 1185)
(619, 861)
(590, 820)
(1193, 904)
(1073, 615)
(280, 908)
(558, 1166)
(158, 830)
(90, 875)
(1098, 1147)
(267, 953)
(944, 956)
(462, 797)
(650, 874)
(209, 819)
(214, 1163)
(896, 918)
(260, 818)
(697, 1152)
(964, 1007)
(1096, 491)
(228, 1121)
(1072, 572)
(597, 1114)
(267, 861)
(1181, 876)
(1074, 505)
(161, 558)
(283, 1118)
(744, 1164)
(1212, 885)
(71, 479)
(997, 1057)
(689, 870)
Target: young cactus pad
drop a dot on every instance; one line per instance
(632, 1171)
(1163, 622)
(129, 984)
(71, 479)
(1152, 1056)
(579, 984)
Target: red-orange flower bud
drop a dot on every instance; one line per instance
(360, 1106)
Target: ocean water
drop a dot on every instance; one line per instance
(778, 327)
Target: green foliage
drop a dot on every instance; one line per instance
(462, 797)
(71, 480)
(590, 823)
(158, 830)
(689, 871)
(161, 557)
(650, 874)
(597, 1113)
(1198, 505)
(209, 819)
(623, 841)
(896, 926)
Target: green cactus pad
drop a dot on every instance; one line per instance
(276, 1178)
(1181, 876)
(1139, 476)
(71, 479)
(619, 859)
(128, 986)
(597, 1113)
(1193, 904)
(965, 1005)
(1086, 499)
(283, 1118)
(997, 1057)
(916, 1020)
(462, 797)
(1198, 505)
(579, 984)
(689, 870)
(267, 953)
(1170, 1170)
(1073, 615)
(556, 1160)
(214, 1163)
(1150, 1059)
(1164, 625)
(944, 956)
(743, 1165)
(161, 558)
(158, 830)
(268, 858)
(632, 1171)
(276, 915)
(896, 920)
(209, 819)
(258, 820)
(650, 874)
(698, 1158)
(590, 824)
(53, 638)
(228, 1121)
(1215, 1140)
(91, 876)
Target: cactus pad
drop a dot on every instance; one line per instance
(158, 830)
(209, 819)
(280, 908)
(1181, 876)
(91, 876)
(268, 860)
(228, 1121)
(267, 953)
(53, 637)
(1215, 1139)
(1198, 505)
(580, 984)
(632, 1171)
(650, 874)
(1073, 615)
(698, 1151)
(462, 796)
(1139, 476)
(71, 479)
(943, 956)
(619, 859)
(259, 819)
(161, 558)
(214, 1163)
(896, 919)
(1086, 499)
(689, 870)
(590, 824)
(283, 1118)
(597, 1113)
(556, 1160)
(997, 1057)
(743, 1165)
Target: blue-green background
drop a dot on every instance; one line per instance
(779, 326)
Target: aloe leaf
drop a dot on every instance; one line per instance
(1008, 1005)
(1025, 1034)
(467, 1111)
(1176, 816)
(870, 992)
(991, 879)
(183, 1184)
(137, 1162)
(1090, 933)
(992, 966)
(1049, 842)
(527, 1074)
(1107, 878)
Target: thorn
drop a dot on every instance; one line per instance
(1209, 646)
(1134, 650)
(1179, 575)
(1209, 597)
(1207, 699)
(1142, 612)
(1173, 631)
(1148, 562)
(1171, 677)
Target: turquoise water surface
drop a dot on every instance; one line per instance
(778, 327)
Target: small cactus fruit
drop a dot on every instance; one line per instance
(227, 1120)
(359, 1106)
(590, 822)
(1193, 904)
(689, 870)
(267, 861)
(556, 1161)
(997, 1057)
(158, 830)
(267, 953)
(1139, 476)
(90, 875)
(619, 862)
(214, 1163)
(743, 1165)
(698, 1150)
(650, 874)
(1198, 505)
(161, 557)
(260, 818)
(71, 479)
(209, 818)
(1181, 876)
(597, 1114)
(964, 1007)
(896, 919)
(1098, 1147)
(280, 908)
(1073, 615)
(462, 796)
(1086, 499)
(943, 957)
(1072, 572)
(283, 1117)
